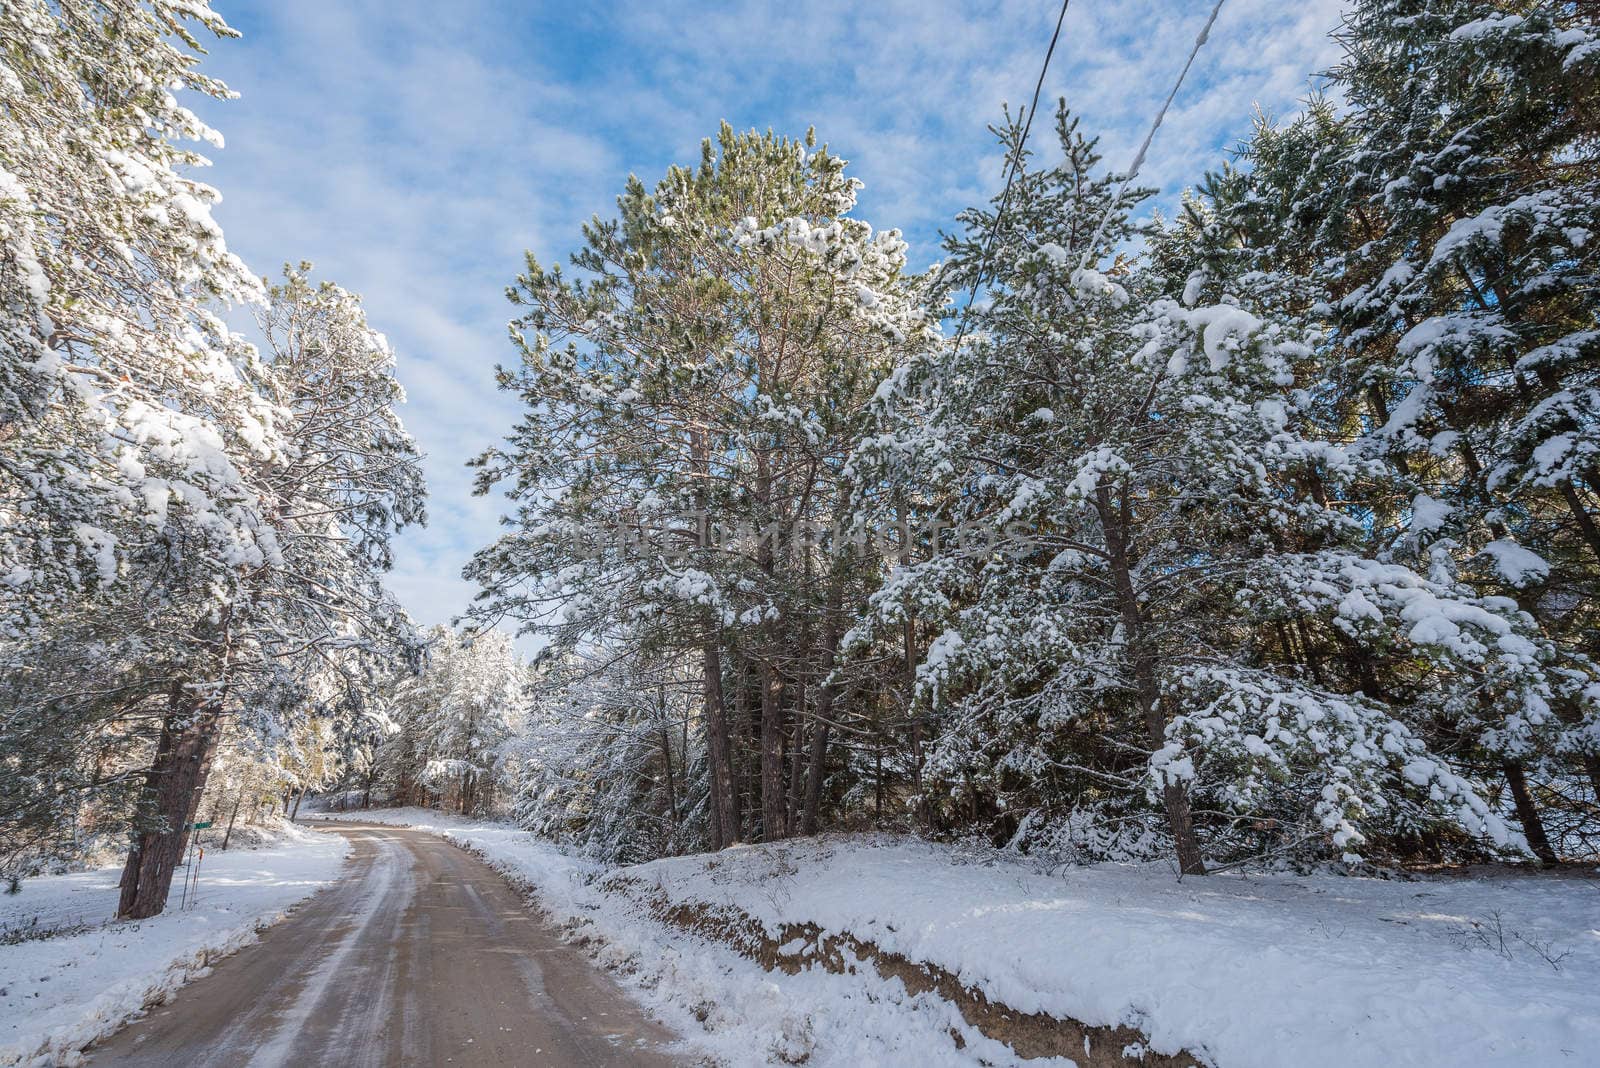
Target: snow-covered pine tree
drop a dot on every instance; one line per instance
(468, 706)
(159, 530)
(608, 762)
(128, 421)
(691, 397)
(1449, 216)
(1121, 474)
(309, 626)
(398, 748)
(124, 414)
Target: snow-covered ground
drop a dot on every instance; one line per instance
(1327, 971)
(60, 992)
(1499, 969)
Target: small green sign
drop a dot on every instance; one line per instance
(199, 826)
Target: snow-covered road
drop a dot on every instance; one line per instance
(1495, 966)
(420, 955)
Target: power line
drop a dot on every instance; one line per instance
(1011, 174)
(1138, 159)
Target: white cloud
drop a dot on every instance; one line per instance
(413, 149)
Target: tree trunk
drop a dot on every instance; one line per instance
(1527, 814)
(1591, 764)
(301, 796)
(816, 763)
(1173, 796)
(794, 794)
(172, 793)
(1580, 515)
(816, 768)
(1380, 412)
(771, 754)
(1176, 801)
(877, 785)
(672, 787)
(826, 693)
(747, 747)
(1309, 651)
(909, 638)
(724, 812)
(724, 809)
(909, 649)
(238, 798)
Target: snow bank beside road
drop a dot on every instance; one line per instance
(1255, 971)
(1249, 971)
(60, 992)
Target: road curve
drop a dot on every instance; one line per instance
(420, 955)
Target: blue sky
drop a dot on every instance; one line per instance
(413, 149)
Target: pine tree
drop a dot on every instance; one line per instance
(691, 398)
(608, 762)
(466, 706)
(124, 415)
(310, 624)
(196, 528)
(1448, 216)
(1129, 482)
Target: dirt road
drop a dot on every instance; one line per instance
(420, 955)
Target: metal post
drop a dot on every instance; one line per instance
(188, 861)
(200, 856)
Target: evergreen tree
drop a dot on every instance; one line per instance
(1131, 483)
(311, 625)
(608, 762)
(473, 687)
(447, 726)
(691, 398)
(1447, 217)
(125, 408)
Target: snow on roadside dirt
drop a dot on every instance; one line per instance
(1253, 971)
(61, 992)
(1247, 970)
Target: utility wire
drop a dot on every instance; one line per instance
(1011, 174)
(1138, 159)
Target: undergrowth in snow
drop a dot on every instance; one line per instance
(70, 975)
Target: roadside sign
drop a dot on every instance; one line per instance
(199, 826)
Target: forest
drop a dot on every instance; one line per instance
(1263, 532)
